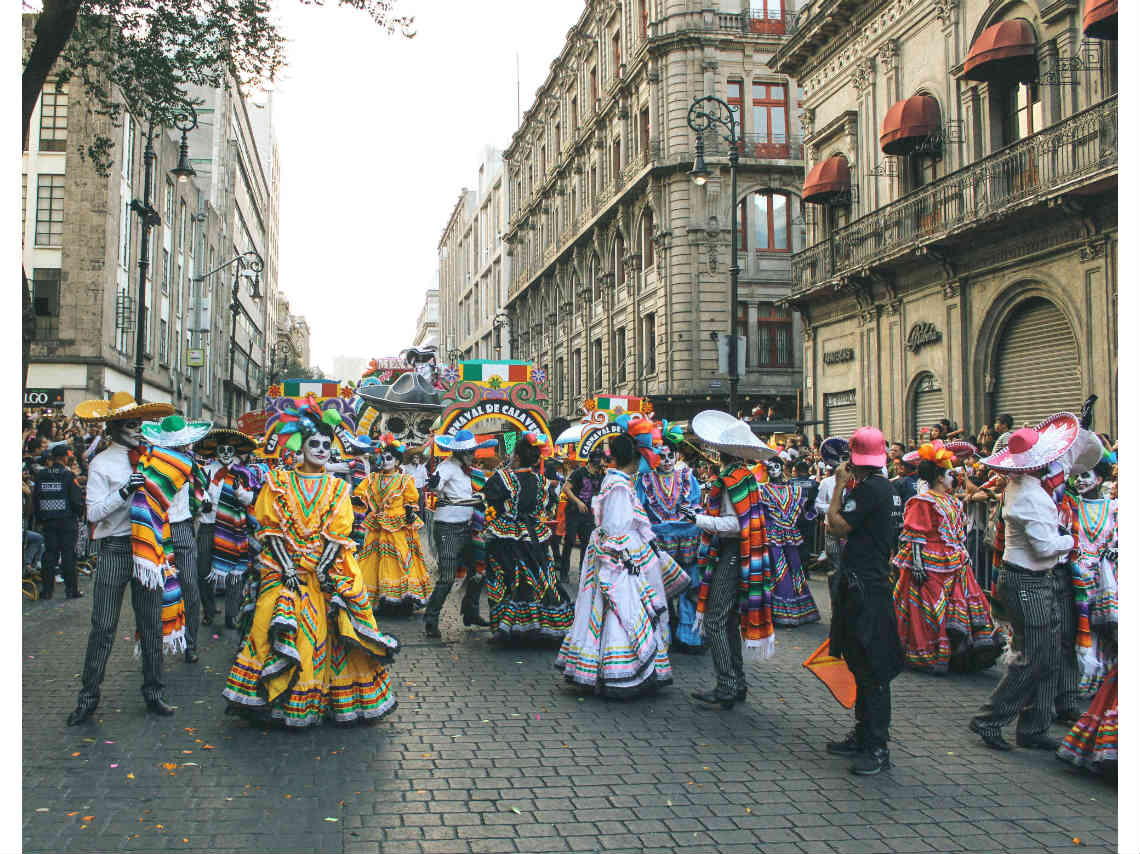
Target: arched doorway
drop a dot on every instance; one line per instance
(1037, 366)
(927, 404)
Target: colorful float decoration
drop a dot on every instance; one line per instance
(400, 395)
(481, 390)
(601, 413)
(287, 397)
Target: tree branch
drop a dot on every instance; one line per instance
(53, 29)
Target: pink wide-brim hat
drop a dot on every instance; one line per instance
(868, 447)
(1033, 448)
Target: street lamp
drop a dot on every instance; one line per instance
(453, 356)
(149, 217)
(255, 265)
(704, 115)
(501, 320)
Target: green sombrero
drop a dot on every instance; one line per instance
(174, 431)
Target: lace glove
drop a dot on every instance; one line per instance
(288, 571)
(325, 563)
(917, 570)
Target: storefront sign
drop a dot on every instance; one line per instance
(43, 397)
(922, 334)
(839, 398)
(835, 357)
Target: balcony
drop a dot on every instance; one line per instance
(1073, 154)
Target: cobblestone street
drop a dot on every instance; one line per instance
(488, 751)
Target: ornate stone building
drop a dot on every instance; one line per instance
(620, 263)
(962, 210)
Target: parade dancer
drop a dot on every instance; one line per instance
(230, 495)
(452, 529)
(618, 645)
(112, 483)
(792, 602)
(665, 492)
(734, 606)
(391, 562)
(526, 600)
(1034, 543)
(944, 618)
(313, 650)
(177, 433)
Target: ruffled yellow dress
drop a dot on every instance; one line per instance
(311, 654)
(391, 560)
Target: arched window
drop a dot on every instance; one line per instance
(765, 222)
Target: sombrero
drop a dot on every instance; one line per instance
(834, 450)
(1034, 448)
(120, 407)
(174, 431)
(464, 440)
(729, 435)
(242, 442)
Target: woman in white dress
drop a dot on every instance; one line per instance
(618, 645)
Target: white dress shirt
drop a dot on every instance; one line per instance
(1032, 539)
(180, 506)
(106, 508)
(214, 491)
(454, 485)
(727, 524)
(418, 473)
(823, 496)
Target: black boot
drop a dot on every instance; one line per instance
(852, 745)
(474, 620)
(159, 707)
(714, 699)
(871, 762)
(79, 715)
(432, 630)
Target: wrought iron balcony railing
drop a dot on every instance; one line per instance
(1076, 150)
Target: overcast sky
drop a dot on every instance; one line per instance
(377, 136)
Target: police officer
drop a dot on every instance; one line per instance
(56, 500)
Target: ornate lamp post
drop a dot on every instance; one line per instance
(706, 114)
(249, 265)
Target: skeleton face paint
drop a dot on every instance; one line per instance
(668, 459)
(948, 478)
(128, 432)
(388, 460)
(226, 454)
(317, 450)
(775, 469)
(1087, 483)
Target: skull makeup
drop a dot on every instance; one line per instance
(127, 432)
(775, 469)
(387, 460)
(317, 450)
(226, 454)
(948, 478)
(1087, 484)
(668, 459)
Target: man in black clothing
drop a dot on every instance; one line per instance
(863, 629)
(580, 489)
(805, 525)
(904, 488)
(56, 503)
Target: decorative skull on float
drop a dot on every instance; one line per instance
(401, 396)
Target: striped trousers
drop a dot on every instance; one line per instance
(722, 621)
(1029, 686)
(1068, 672)
(453, 544)
(114, 570)
(186, 562)
(205, 561)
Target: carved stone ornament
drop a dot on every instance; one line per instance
(1092, 249)
(945, 9)
(888, 55)
(807, 121)
(712, 257)
(862, 73)
(950, 289)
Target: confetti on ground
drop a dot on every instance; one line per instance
(207, 747)
(516, 810)
(76, 753)
(131, 776)
(42, 809)
(114, 764)
(330, 818)
(88, 818)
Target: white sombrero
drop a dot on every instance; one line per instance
(730, 435)
(464, 440)
(1033, 448)
(174, 431)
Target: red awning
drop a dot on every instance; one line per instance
(907, 122)
(1100, 19)
(828, 178)
(1003, 52)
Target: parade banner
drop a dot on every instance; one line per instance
(326, 393)
(481, 390)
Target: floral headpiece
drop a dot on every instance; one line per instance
(642, 432)
(540, 441)
(387, 440)
(936, 453)
(300, 423)
(672, 434)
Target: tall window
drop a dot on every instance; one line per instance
(45, 302)
(765, 222)
(645, 132)
(181, 226)
(557, 138)
(574, 112)
(542, 162)
(774, 331)
(596, 358)
(735, 105)
(129, 149)
(162, 342)
(49, 210)
(647, 258)
(169, 217)
(594, 87)
(770, 114)
(577, 372)
(125, 237)
(619, 261)
(742, 332)
(616, 53)
(1022, 114)
(616, 158)
(165, 271)
(53, 118)
(649, 338)
(559, 378)
(621, 355)
(643, 18)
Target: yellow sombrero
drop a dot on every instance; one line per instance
(243, 443)
(120, 407)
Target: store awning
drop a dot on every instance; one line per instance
(1100, 19)
(827, 179)
(909, 122)
(1005, 52)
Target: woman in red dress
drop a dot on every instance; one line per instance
(943, 616)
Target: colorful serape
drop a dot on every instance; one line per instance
(231, 547)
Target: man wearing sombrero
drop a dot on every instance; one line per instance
(452, 530)
(112, 481)
(1035, 543)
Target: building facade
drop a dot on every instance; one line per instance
(962, 206)
(474, 269)
(620, 262)
(427, 324)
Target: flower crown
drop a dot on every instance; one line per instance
(937, 454)
(645, 434)
(387, 440)
(301, 422)
(540, 441)
(672, 434)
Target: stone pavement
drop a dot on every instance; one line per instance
(488, 751)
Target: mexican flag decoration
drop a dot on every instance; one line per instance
(480, 371)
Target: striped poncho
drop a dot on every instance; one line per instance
(756, 580)
(164, 473)
(231, 546)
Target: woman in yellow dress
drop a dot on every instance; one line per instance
(391, 560)
(313, 650)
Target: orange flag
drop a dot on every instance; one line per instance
(833, 673)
